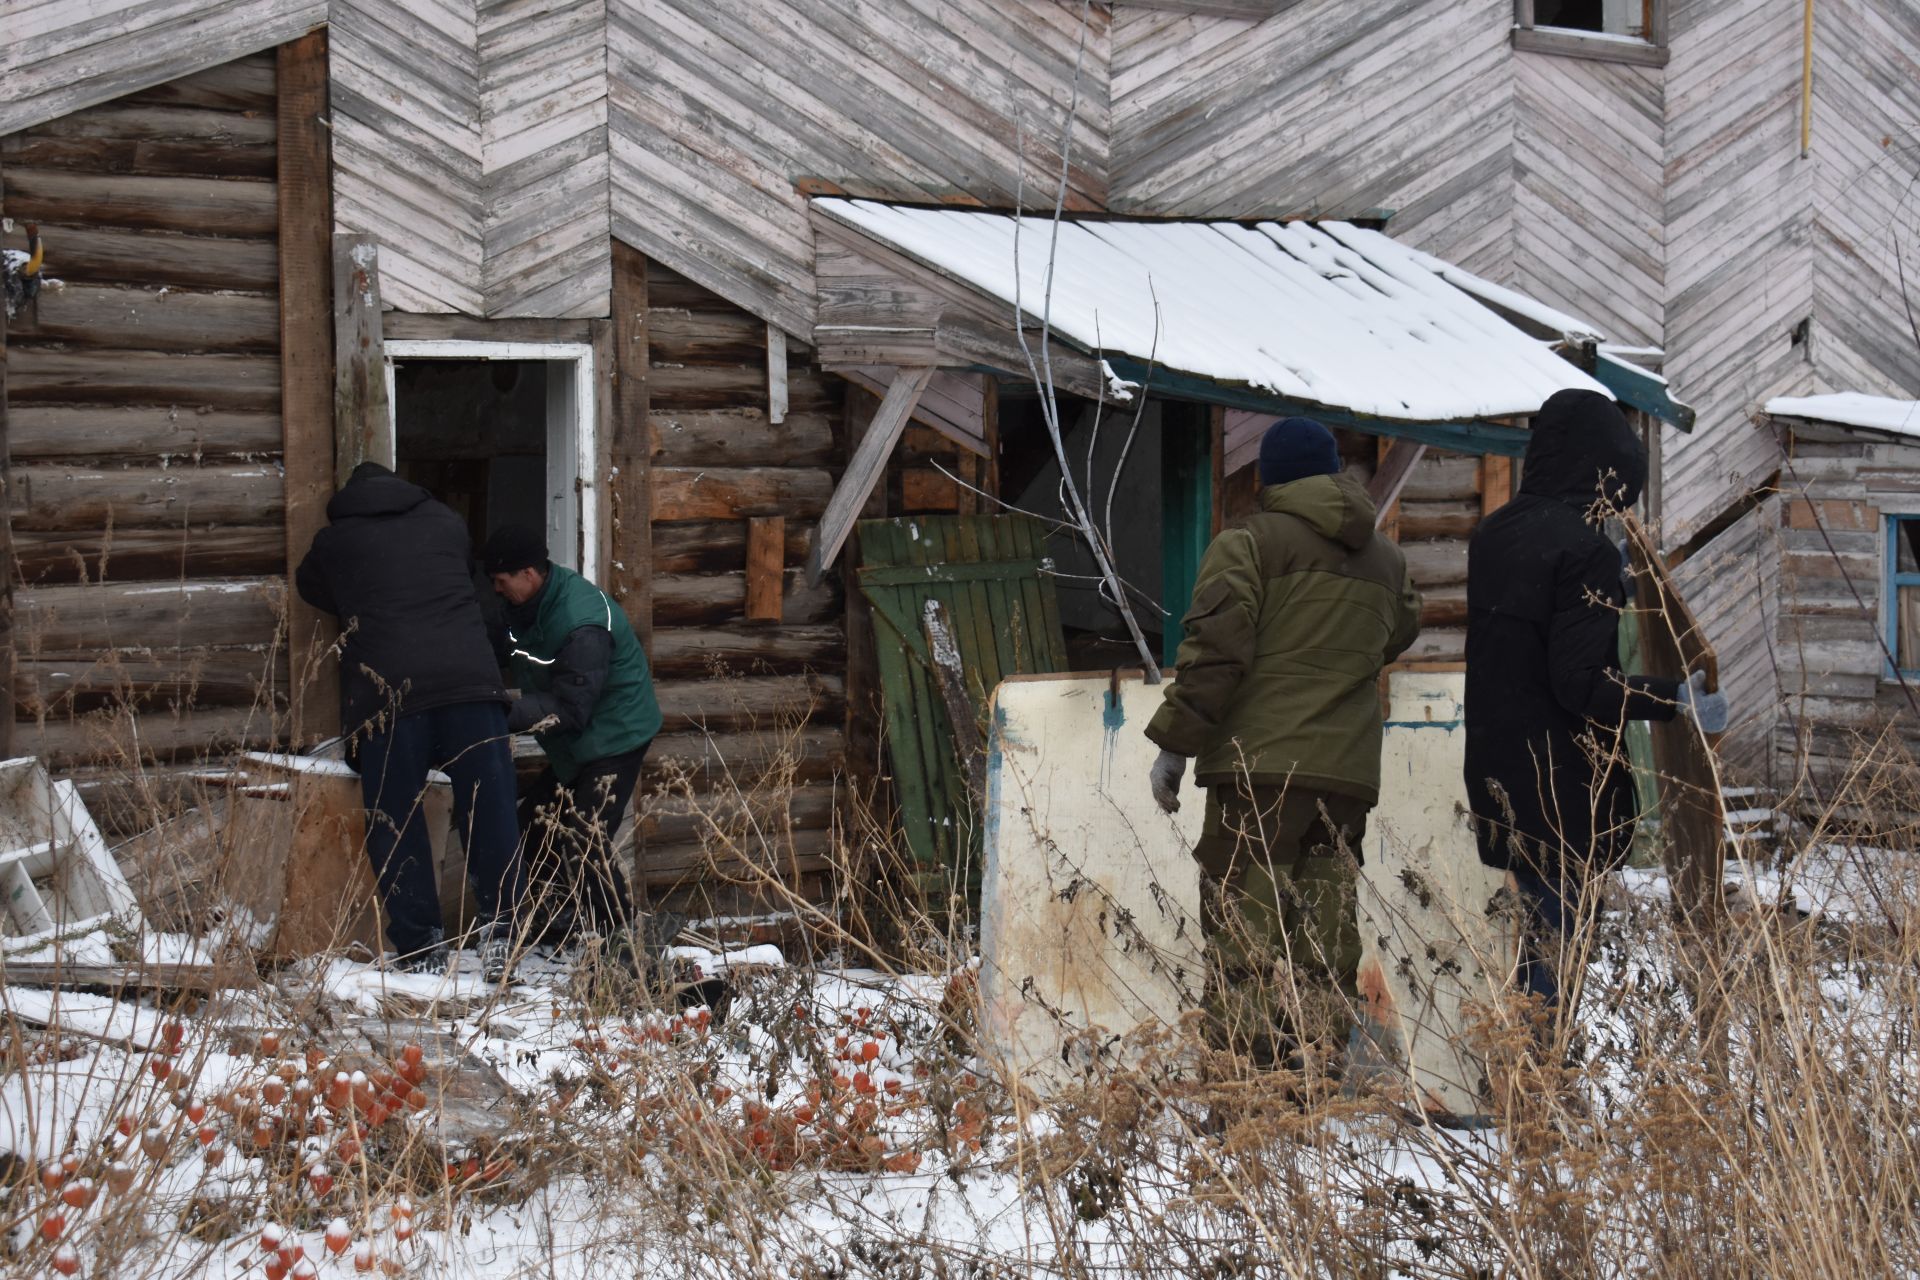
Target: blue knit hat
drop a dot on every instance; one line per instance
(1295, 448)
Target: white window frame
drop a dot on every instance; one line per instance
(1650, 50)
(573, 527)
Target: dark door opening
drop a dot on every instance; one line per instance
(474, 434)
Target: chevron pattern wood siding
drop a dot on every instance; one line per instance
(60, 56)
(543, 156)
(1866, 222)
(1327, 108)
(1739, 272)
(470, 140)
(720, 115)
(407, 146)
(1589, 235)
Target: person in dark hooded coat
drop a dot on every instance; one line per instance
(419, 690)
(1546, 702)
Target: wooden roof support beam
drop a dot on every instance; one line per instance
(1390, 477)
(865, 467)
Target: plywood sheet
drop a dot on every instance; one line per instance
(1433, 941)
(1090, 898)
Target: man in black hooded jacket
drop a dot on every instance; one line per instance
(419, 690)
(1546, 764)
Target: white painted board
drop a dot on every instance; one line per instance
(1090, 897)
(1429, 946)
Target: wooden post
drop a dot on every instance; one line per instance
(363, 421)
(631, 493)
(776, 374)
(1397, 461)
(866, 466)
(6, 536)
(1496, 483)
(1217, 426)
(990, 432)
(950, 680)
(766, 567)
(606, 386)
(306, 369)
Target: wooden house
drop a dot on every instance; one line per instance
(1845, 615)
(574, 258)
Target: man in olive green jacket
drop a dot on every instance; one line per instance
(1294, 613)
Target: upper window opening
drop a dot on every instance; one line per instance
(1614, 30)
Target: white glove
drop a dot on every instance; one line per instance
(1165, 776)
(1709, 710)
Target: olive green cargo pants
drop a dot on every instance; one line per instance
(1278, 871)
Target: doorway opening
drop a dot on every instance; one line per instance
(502, 433)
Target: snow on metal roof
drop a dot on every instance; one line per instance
(1851, 409)
(1321, 313)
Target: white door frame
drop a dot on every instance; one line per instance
(573, 528)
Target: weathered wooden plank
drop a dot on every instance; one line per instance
(1397, 464)
(210, 678)
(766, 568)
(680, 652)
(242, 85)
(69, 499)
(163, 319)
(723, 493)
(762, 703)
(89, 255)
(707, 761)
(707, 598)
(401, 326)
(864, 468)
(206, 158)
(80, 59)
(741, 437)
(9, 569)
(101, 433)
(715, 546)
(158, 734)
(246, 383)
(197, 206)
(362, 421)
(86, 619)
(148, 555)
(306, 373)
(631, 493)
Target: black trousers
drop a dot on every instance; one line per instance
(573, 882)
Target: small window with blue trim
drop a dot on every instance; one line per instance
(1903, 591)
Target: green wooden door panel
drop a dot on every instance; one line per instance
(989, 573)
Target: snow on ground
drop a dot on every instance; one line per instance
(824, 1125)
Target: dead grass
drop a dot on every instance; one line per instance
(777, 1143)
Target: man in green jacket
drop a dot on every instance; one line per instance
(1294, 613)
(587, 696)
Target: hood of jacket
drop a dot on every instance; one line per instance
(1336, 506)
(1581, 449)
(372, 490)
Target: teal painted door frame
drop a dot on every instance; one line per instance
(1186, 512)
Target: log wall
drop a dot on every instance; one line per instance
(144, 414)
(742, 778)
(1840, 706)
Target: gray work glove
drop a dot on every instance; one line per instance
(1709, 710)
(1168, 769)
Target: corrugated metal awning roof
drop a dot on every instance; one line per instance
(1327, 314)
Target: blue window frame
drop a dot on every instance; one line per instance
(1903, 591)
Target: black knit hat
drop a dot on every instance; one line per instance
(1295, 448)
(514, 547)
